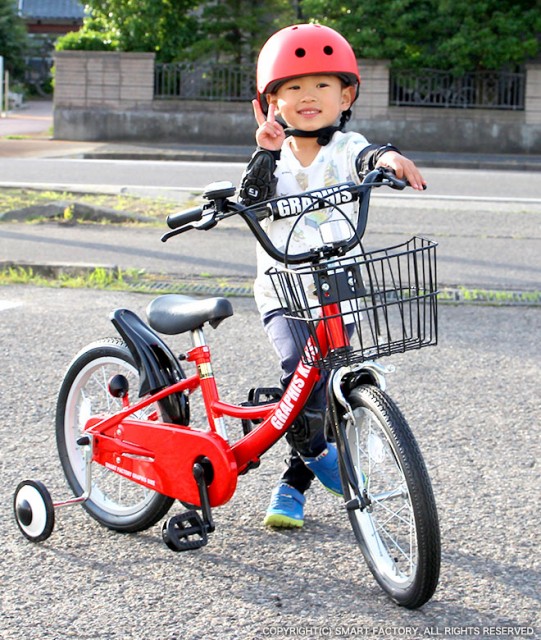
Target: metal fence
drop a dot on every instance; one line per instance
(474, 90)
(192, 81)
(415, 88)
(37, 73)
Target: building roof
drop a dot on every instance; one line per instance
(51, 9)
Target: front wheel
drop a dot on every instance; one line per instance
(398, 532)
(115, 501)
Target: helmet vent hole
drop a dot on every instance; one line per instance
(328, 50)
(300, 52)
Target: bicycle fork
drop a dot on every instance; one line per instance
(341, 415)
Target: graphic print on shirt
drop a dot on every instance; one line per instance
(302, 180)
(334, 164)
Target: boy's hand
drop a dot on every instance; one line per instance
(270, 134)
(404, 168)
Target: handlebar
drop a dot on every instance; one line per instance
(220, 207)
(181, 218)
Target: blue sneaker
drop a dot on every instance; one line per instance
(325, 468)
(286, 509)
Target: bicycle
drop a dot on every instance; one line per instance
(127, 462)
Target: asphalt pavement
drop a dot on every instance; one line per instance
(473, 403)
(482, 245)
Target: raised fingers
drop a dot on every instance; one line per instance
(258, 113)
(270, 134)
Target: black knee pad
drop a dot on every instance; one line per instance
(305, 428)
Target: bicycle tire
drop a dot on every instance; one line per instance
(115, 501)
(398, 533)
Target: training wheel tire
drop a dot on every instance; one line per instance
(34, 510)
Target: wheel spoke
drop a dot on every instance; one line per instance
(115, 501)
(90, 396)
(389, 465)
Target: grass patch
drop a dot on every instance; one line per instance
(134, 280)
(204, 284)
(156, 208)
(98, 278)
(490, 297)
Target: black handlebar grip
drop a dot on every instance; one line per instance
(176, 220)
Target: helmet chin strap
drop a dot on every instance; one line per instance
(323, 135)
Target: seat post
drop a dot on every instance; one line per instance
(198, 337)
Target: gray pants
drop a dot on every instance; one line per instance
(307, 435)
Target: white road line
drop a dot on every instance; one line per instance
(433, 196)
(95, 188)
(9, 304)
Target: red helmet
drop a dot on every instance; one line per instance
(304, 49)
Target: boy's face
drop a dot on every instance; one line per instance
(309, 103)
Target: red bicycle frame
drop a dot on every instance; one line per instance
(161, 456)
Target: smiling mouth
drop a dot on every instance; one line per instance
(309, 113)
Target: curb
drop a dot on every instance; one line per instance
(429, 160)
(238, 286)
(157, 156)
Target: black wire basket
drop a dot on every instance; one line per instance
(387, 300)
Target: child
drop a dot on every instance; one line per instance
(307, 75)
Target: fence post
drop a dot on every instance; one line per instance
(532, 104)
(6, 91)
(2, 86)
(374, 91)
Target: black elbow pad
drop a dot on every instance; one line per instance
(259, 182)
(367, 159)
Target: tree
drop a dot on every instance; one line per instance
(235, 30)
(447, 34)
(461, 35)
(166, 27)
(487, 35)
(216, 30)
(13, 38)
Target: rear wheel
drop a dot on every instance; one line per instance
(115, 501)
(398, 532)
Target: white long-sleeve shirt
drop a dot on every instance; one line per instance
(333, 164)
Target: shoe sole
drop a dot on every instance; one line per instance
(334, 493)
(279, 521)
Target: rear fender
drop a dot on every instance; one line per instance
(158, 366)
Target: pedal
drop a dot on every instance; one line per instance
(185, 532)
(264, 395)
(257, 397)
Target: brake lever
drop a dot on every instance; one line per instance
(176, 232)
(202, 225)
(208, 220)
(389, 176)
(394, 182)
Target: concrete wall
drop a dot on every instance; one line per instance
(109, 96)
